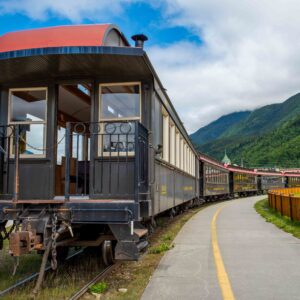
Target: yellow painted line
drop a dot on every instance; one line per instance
(221, 271)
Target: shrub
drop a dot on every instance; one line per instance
(163, 247)
(99, 288)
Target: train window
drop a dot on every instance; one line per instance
(191, 162)
(194, 165)
(28, 108)
(181, 153)
(166, 137)
(188, 159)
(172, 144)
(177, 149)
(120, 101)
(185, 157)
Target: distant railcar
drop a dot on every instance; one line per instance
(244, 183)
(214, 180)
(272, 182)
(293, 181)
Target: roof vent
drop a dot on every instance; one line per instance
(139, 40)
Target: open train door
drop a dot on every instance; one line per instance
(73, 139)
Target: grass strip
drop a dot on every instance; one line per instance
(283, 222)
(126, 282)
(59, 284)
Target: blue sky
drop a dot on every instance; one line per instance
(136, 18)
(213, 56)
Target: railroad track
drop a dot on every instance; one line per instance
(98, 277)
(32, 277)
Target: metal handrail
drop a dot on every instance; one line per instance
(7, 134)
(120, 142)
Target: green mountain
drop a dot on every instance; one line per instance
(266, 137)
(217, 128)
(266, 118)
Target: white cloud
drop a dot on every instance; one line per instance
(250, 56)
(74, 10)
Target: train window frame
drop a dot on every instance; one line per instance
(165, 135)
(104, 121)
(181, 152)
(189, 159)
(185, 156)
(132, 118)
(172, 142)
(177, 143)
(42, 122)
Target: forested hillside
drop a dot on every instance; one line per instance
(266, 137)
(215, 129)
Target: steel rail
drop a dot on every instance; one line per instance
(98, 277)
(33, 276)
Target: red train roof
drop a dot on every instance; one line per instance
(241, 170)
(59, 36)
(210, 160)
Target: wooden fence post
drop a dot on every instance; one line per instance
(291, 207)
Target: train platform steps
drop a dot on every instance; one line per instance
(260, 260)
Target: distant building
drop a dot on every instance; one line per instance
(226, 160)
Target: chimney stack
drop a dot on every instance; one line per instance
(139, 40)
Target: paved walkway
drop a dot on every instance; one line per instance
(262, 262)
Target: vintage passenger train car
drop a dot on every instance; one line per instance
(91, 147)
(214, 179)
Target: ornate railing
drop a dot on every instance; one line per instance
(116, 153)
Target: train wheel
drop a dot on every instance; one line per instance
(150, 228)
(172, 213)
(107, 253)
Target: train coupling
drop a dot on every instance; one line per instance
(23, 242)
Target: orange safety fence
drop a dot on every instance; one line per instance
(286, 201)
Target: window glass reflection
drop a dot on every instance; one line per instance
(28, 106)
(120, 101)
(118, 137)
(31, 139)
(28, 111)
